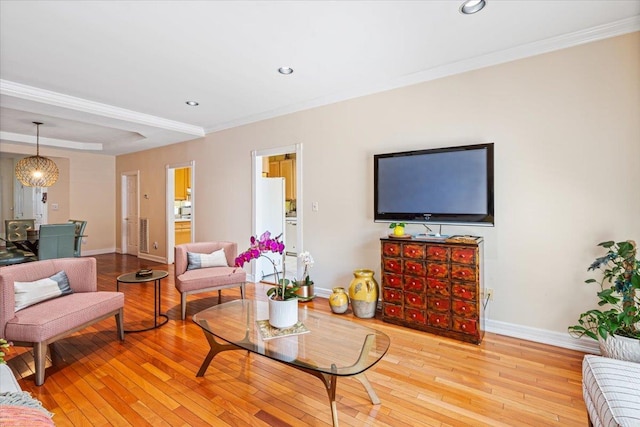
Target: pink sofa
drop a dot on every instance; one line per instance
(41, 324)
(206, 279)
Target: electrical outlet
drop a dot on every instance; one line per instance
(488, 293)
(155, 245)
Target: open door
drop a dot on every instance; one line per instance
(270, 215)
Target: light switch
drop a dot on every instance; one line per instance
(54, 206)
(314, 206)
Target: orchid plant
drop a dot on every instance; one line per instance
(3, 346)
(307, 261)
(284, 290)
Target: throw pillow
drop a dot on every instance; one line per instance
(30, 293)
(214, 259)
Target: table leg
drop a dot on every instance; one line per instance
(216, 348)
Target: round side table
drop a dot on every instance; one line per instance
(155, 277)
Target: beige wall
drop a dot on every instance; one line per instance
(567, 138)
(85, 190)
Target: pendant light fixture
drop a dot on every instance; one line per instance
(37, 171)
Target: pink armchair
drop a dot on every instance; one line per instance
(210, 278)
(41, 324)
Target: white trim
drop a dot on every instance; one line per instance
(51, 142)
(256, 167)
(543, 336)
(170, 198)
(156, 258)
(589, 35)
(101, 251)
(21, 91)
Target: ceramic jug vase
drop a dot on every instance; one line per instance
(338, 301)
(363, 292)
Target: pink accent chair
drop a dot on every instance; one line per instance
(208, 279)
(41, 324)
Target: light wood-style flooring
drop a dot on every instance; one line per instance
(424, 380)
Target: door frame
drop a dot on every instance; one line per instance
(170, 198)
(256, 173)
(124, 176)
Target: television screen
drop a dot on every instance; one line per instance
(451, 185)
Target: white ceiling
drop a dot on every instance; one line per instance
(113, 76)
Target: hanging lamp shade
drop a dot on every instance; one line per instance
(37, 171)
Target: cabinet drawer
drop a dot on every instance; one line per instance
(464, 308)
(438, 253)
(467, 326)
(415, 300)
(416, 316)
(414, 267)
(392, 295)
(437, 286)
(439, 304)
(435, 269)
(414, 283)
(413, 251)
(391, 249)
(464, 291)
(392, 265)
(463, 255)
(392, 310)
(392, 280)
(463, 272)
(439, 320)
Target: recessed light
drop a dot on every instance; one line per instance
(285, 70)
(192, 103)
(472, 6)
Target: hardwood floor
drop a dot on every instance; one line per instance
(424, 380)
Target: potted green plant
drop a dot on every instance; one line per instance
(3, 346)
(305, 285)
(617, 324)
(398, 228)
(283, 300)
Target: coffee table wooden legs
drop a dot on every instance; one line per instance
(330, 381)
(216, 348)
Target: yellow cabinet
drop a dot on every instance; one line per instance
(182, 182)
(287, 169)
(183, 232)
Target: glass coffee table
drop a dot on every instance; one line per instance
(332, 348)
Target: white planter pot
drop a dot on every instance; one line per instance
(622, 348)
(283, 314)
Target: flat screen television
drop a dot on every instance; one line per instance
(452, 185)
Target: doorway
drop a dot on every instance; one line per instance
(130, 216)
(180, 210)
(263, 167)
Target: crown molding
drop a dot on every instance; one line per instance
(51, 142)
(21, 91)
(564, 41)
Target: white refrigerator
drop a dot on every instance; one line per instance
(270, 216)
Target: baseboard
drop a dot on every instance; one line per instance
(98, 251)
(148, 257)
(543, 336)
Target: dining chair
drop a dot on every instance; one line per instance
(56, 241)
(16, 230)
(80, 226)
